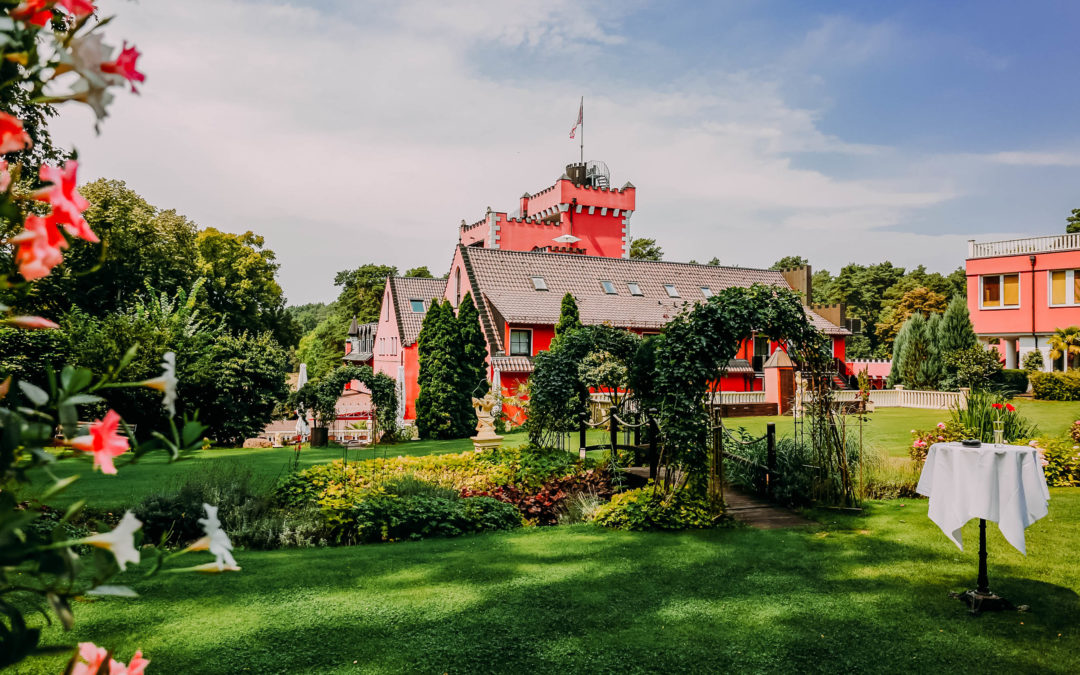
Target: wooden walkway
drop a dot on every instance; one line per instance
(756, 512)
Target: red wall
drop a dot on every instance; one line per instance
(1018, 321)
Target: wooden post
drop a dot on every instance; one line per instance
(613, 431)
(582, 440)
(654, 436)
(715, 494)
(637, 435)
(770, 456)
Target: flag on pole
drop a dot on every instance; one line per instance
(580, 118)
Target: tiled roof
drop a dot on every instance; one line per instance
(358, 357)
(824, 325)
(405, 289)
(504, 277)
(512, 364)
(739, 367)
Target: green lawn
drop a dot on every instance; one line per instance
(854, 593)
(889, 429)
(153, 472)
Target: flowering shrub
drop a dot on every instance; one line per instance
(52, 53)
(1061, 461)
(649, 509)
(1074, 431)
(547, 505)
(944, 432)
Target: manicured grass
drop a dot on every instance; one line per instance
(153, 471)
(889, 429)
(855, 593)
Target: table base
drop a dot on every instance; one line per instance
(979, 602)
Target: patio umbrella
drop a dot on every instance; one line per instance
(302, 428)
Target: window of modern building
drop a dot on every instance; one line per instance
(706, 291)
(609, 287)
(417, 306)
(1064, 288)
(520, 342)
(672, 293)
(539, 283)
(1000, 290)
(634, 288)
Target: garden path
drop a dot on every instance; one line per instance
(756, 512)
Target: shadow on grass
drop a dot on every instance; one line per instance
(582, 599)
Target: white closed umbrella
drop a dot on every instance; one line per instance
(302, 428)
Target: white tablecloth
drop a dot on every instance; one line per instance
(1004, 484)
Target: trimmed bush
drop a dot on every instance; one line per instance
(1062, 457)
(649, 509)
(393, 518)
(1015, 381)
(1056, 386)
(549, 504)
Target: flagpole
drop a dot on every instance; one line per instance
(582, 107)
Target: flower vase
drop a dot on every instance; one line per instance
(999, 432)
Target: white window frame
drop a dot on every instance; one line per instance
(605, 285)
(1070, 293)
(542, 286)
(1001, 280)
(510, 346)
(706, 291)
(671, 291)
(631, 286)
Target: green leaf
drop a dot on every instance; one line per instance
(69, 419)
(36, 394)
(115, 591)
(59, 486)
(83, 399)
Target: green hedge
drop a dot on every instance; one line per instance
(1056, 386)
(1013, 380)
(393, 518)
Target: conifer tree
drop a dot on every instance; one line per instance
(955, 331)
(474, 348)
(895, 373)
(932, 370)
(915, 352)
(569, 317)
(435, 406)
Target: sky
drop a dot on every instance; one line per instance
(354, 132)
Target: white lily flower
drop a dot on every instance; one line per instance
(166, 383)
(220, 545)
(121, 541)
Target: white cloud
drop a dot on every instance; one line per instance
(359, 136)
(1020, 158)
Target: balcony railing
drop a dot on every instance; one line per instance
(1051, 244)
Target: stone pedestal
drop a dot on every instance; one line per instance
(486, 442)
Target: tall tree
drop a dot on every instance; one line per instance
(862, 288)
(916, 350)
(897, 368)
(955, 332)
(644, 248)
(1072, 223)
(241, 284)
(916, 301)
(474, 356)
(362, 291)
(790, 262)
(932, 370)
(421, 272)
(569, 317)
(438, 409)
(142, 246)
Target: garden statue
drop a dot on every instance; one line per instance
(485, 422)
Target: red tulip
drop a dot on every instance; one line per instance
(1010, 407)
(996, 406)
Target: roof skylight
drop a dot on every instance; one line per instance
(539, 283)
(671, 291)
(609, 287)
(634, 288)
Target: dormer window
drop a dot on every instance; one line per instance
(672, 293)
(706, 291)
(539, 283)
(417, 306)
(634, 288)
(609, 287)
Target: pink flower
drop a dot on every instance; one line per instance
(5, 177)
(79, 8)
(32, 323)
(920, 443)
(65, 200)
(93, 656)
(1033, 444)
(1042, 459)
(940, 425)
(37, 248)
(33, 12)
(124, 66)
(104, 442)
(12, 135)
(941, 438)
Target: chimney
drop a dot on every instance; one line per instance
(525, 205)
